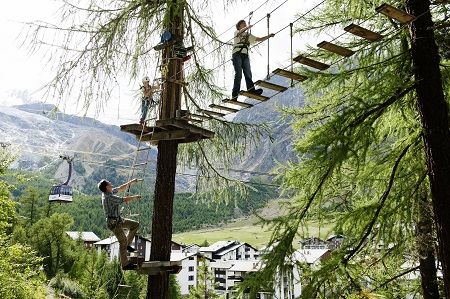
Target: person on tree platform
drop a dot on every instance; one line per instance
(114, 220)
(241, 62)
(147, 100)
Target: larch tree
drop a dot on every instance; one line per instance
(98, 43)
(373, 145)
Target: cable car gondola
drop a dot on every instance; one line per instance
(62, 193)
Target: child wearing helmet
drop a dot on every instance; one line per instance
(147, 100)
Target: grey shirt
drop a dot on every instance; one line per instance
(111, 203)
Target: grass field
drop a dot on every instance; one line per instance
(246, 230)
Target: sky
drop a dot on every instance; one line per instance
(22, 74)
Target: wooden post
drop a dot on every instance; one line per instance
(433, 111)
(158, 285)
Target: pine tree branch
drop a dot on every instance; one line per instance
(382, 201)
(378, 110)
(395, 277)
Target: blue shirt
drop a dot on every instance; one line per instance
(111, 203)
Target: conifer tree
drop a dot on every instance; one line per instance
(365, 144)
(114, 39)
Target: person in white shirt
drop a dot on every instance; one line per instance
(241, 62)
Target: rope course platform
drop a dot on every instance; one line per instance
(290, 75)
(335, 49)
(311, 63)
(237, 103)
(363, 32)
(253, 96)
(168, 129)
(395, 13)
(156, 267)
(270, 85)
(220, 107)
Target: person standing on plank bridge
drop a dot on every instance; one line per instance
(115, 222)
(241, 62)
(147, 100)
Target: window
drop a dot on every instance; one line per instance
(191, 258)
(191, 268)
(191, 277)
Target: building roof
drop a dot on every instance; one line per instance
(85, 236)
(107, 241)
(177, 256)
(216, 246)
(226, 250)
(309, 256)
(246, 266)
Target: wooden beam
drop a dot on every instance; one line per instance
(183, 124)
(166, 135)
(363, 32)
(395, 13)
(229, 109)
(134, 127)
(270, 85)
(254, 96)
(155, 268)
(290, 75)
(210, 112)
(237, 103)
(311, 62)
(335, 49)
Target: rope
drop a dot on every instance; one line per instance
(268, 46)
(291, 25)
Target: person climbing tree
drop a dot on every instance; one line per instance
(241, 62)
(147, 97)
(114, 220)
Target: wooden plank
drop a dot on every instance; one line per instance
(395, 13)
(290, 75)
(166, 135)
(229, 109)
(191, 119)
(335, 49)
(237, 103)
(183, 124)
(197, 116)
(135, 127)
(254, 96)
(363, 32)
(210, 112)
(155, 268)
(270, 85)
(311, 62)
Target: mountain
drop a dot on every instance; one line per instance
(38, 134)
(276, 147)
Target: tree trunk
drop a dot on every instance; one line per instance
(158, 285)
(434, 117)
(426, 249)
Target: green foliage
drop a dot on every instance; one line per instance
(19, 271)
(49, 238)
(205, 284)
(19, 265)
(63, 285)
(361, 162)
(174, 288)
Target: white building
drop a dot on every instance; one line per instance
(187, 278)
(141, 244)
(230, 250)
(89, 238)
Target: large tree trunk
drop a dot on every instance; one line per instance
(426, 249)
(158, 285)
(434, 117)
